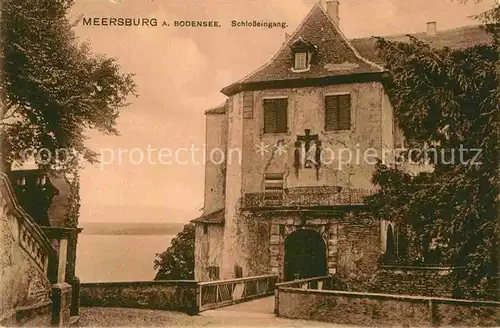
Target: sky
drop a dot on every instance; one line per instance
(180, 72)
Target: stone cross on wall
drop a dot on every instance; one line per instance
(309, 141)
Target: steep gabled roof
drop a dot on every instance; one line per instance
(457, 38)
(334, 55)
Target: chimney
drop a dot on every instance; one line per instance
(332, 9)
(431, 28)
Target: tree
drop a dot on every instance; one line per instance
(450, 100)
(177, 262)
(55, 89)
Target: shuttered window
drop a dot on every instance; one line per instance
(337, 112)
(273, 189)
(273, 181)
(248, 105)
(275, 115)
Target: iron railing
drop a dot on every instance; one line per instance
(216, 294)
(318, 283)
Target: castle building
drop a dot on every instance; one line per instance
(300, 136)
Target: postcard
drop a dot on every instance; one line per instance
(291, 163)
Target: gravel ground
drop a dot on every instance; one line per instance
(119, 317)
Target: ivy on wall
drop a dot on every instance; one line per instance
(73, 203)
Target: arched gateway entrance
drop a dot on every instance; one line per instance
(305, 255)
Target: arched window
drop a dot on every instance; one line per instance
(390, 245)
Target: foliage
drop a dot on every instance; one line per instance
(450, 100)
(177, 262)
(73, 205)
(55, 89)
(491, 22)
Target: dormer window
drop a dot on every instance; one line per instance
(300, 61)
(303, 51)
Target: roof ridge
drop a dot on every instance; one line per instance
(212, 217)
(416, 33)
(356, 53)
(269, 61)
(219, 105)
(213, 110)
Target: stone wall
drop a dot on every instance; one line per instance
(208, 249)
(358, 249)
(369, 107)
(62, 299)
(215, 167)
(232, 251)
(405, 280)
(253, 232)
(368, 309)
(468, 314)
(175, 295)
(24, 257)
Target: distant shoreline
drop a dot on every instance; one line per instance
(131, 229)
(131, 233)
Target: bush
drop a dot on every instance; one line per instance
(177, 262)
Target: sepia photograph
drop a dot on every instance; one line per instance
(238, 163)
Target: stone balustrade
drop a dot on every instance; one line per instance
(24, 253)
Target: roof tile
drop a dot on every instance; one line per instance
(216, 217)
(337, 57)
(334, 56)
(458, 38)
(221, 109)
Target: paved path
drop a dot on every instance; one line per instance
(262, 307)
(257, 313)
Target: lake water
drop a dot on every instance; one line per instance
(118, 257)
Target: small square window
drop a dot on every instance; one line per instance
(300, 60)
(238, 271)
(273, 182)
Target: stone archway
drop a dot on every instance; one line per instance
(305, 255)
